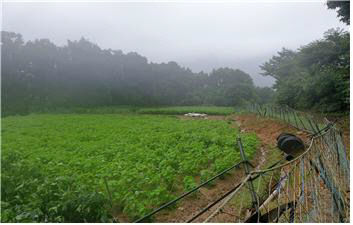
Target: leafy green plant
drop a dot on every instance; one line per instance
(206, 175)
(189, 183)
(53, 166)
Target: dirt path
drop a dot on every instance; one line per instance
(267, 130)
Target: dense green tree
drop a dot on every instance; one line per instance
(342, 8)
(264, 95)
(316, 76)
(40, 76)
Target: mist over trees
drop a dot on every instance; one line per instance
(40, 76)
(316, 76)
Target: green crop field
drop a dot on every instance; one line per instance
(54, 167)
(211, 110)
(170, 110)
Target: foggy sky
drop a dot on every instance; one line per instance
(201, 36)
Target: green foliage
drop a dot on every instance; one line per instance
(30, 194)
(38, 76)
(342, 8)
(314, 77)
(210, 110)
(264, 95)
(53, 166)
(206, 175)
(121, 109)
(189, 183)
(171, 110)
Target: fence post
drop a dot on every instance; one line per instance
(280, 113)
(311, 125)
(247, 172)
(284, 113)
(287, 114)
(271, 111)
(110, 198)
(295, 119)
(304, 127)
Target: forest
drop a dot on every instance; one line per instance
(40, 76)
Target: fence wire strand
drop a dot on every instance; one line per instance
(313, 187)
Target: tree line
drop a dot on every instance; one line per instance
(315, 76)
(41, 76)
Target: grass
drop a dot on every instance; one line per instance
(121, 109)
(125, 109)
(179, 110)
(54, 167)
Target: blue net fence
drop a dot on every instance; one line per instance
(312, 187)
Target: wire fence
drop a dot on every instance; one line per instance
(168, 204)
(300, 120)
(309, 188)
(313, 187)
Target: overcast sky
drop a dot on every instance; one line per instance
(201, 36)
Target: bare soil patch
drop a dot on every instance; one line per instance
(266, 129)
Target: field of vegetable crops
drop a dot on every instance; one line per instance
(54, 167)
(171, 110)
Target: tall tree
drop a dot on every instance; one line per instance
(40, 76)
(314, 77)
